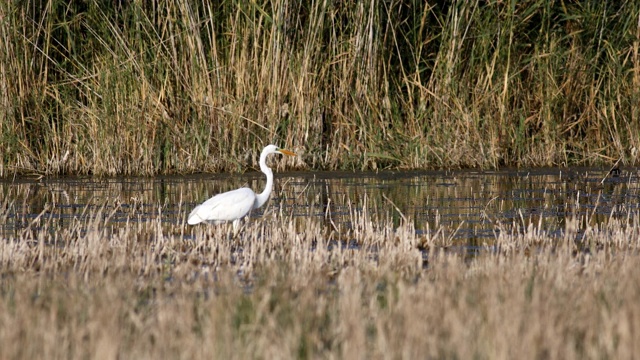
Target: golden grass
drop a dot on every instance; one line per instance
(280, 290)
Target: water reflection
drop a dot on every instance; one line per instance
(471, 204)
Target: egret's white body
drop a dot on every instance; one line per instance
(236, 204)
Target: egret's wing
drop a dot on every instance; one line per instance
(227, 206)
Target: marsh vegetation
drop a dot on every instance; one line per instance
(127, 87)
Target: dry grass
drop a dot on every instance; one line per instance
(140, 88)
(155, 290)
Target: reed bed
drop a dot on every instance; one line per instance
(148, 289)
(129, 87)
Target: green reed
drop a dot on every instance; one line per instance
(185, 86)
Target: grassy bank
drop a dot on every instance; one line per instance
(181, 86)
(97, 289)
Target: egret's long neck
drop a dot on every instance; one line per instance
(264, 195)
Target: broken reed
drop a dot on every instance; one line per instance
(129, 87)
(149, 289)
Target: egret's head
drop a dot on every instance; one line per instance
(270, 149)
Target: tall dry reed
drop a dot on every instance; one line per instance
(182, 86)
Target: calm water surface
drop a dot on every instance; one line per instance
(470, 204)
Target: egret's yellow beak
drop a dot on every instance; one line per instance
(286, 152)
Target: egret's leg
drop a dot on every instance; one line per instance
(236, 227)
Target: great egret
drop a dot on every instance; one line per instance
(235, 204)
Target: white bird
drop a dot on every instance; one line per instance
(235, 204)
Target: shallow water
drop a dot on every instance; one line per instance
(472, 206)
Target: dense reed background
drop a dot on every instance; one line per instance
(131, 87)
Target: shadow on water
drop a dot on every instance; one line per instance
(469, 205)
